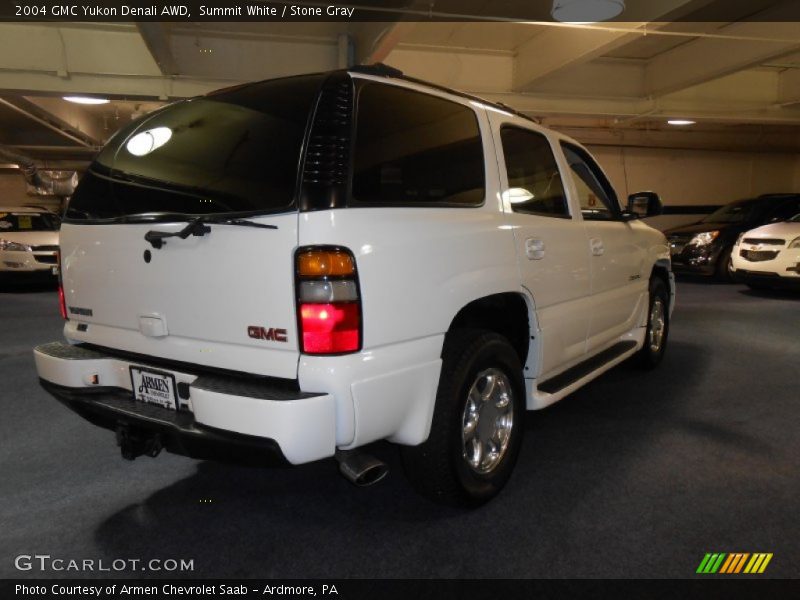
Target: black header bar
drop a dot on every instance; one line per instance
(369, 10)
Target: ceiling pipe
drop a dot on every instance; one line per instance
(39, 179)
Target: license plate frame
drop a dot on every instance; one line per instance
(150, 392)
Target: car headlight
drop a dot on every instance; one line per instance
(704, 239)
(795, 243)
(14, 246)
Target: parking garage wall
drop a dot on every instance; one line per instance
(693, 179)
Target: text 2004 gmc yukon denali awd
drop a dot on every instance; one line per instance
(299, 267)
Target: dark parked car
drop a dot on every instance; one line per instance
(704, 248)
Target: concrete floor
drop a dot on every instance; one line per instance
(636, 475)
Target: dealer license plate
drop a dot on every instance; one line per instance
(154, 387)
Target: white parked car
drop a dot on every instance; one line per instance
(299, 267)
(28, 242)
(769, 256)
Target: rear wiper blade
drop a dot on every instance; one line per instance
(198, 227)
(218, 220)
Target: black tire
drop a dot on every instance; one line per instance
(649, 357)
(723, 271)
(438, 468)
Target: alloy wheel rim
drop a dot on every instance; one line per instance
(487, 421)
(658, 325)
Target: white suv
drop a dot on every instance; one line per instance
(299, 267)
(769, 256)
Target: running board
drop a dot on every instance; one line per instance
(581, 370)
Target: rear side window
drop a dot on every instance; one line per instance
(415, 149)
(534, 181)
(233, 151)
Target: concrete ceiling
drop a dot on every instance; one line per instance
(608, 83)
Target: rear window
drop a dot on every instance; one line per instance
(236, 151)
(27, 222)
(415, 149)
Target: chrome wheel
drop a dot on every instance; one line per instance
(487, 421)
(658, 325)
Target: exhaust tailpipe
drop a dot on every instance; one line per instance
(359, 468)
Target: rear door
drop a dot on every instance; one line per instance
(551, 243)
(224, 298)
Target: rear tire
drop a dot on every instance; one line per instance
(657, 331)
(477, 425)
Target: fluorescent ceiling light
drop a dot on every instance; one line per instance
(86, 100)
(583, 12)
(681, 122)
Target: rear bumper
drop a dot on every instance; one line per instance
(255, 419)
(176, 431)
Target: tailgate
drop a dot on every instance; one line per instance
(225, 299)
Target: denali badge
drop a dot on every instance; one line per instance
(77, 310)
(262, 333)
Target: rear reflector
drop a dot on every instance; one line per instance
(330, 328)
(62, 304)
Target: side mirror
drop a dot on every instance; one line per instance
(645, 204)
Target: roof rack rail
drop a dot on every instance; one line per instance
(382, 70)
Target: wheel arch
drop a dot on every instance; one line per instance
(510, 314)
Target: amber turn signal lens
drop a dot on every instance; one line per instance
(323, 263)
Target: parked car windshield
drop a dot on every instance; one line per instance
(233, 151)
(742, 211)
(24, 221)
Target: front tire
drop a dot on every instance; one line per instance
(657, 331)
(724, 269)
(477, 426)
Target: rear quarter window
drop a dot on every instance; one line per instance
(415, 149)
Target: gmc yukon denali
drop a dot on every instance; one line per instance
(289, 270)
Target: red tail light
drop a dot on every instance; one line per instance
(62, 303)
(330, 328)
(328, 303)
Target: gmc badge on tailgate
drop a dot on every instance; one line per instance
(271, 334)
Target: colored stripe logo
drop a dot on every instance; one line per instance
(734, 563)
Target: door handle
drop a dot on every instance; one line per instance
(597, 247)
(534, 249)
